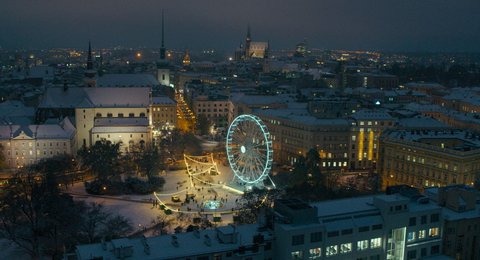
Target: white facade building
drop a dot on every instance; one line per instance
(25, 145)
(114, 105)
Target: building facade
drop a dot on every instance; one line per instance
(164, 113)
(366, 128)
(426, 158)
(103, 104)
(402, 224)
(293, 135)
(25, 145)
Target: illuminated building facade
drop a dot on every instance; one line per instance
(426, 158)
(25, 145)
(293, 135)
(366, 128)
(164, 113)
(115, 114)
(368, 227)
(217, 109)
(401, 225)
(252, 50)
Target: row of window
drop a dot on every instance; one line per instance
(30, 144)
(434, 250)
(214, 110)
(434, 218)
(421, 234)
(345, 248)
(208, 105)
(164, 109)
(118, 115)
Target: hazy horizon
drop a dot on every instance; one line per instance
(377, 25)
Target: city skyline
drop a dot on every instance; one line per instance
(370, 25)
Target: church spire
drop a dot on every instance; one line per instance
(162, 48)
(248, 40)
(89, 58)
(90, 73)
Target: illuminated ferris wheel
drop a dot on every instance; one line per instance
(249, 149)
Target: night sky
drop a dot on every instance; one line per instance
(396, 25)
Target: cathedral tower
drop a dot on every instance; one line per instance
(90, 73)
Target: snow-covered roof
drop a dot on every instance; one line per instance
(372, 114)
(127, 80)
(75, 97)
(63, 130)
(121, 121)
(163, 247)
(300, 116)
(420, 122)
(469, 140)
(14, 108)
(163, 100)
(260, 99)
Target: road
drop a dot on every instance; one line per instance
(186, 119)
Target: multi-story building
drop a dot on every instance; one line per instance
(371, 227)
(132, 133)
(24, 145)
(164, 113)
(227, 242)
(425, 158)
(400, 225)
(461, 214)
(372, 80)
(366, 128)
(294, 133)
(113, 104)
(218, 109)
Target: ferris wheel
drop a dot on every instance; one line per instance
(249, 149)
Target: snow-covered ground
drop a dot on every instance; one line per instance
(142, 214)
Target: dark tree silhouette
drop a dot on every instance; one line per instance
(101, 159)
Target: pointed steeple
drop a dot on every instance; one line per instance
(248, 40)
(90, 73)
(162, 48)
(89, 58)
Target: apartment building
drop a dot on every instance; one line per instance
(371, 227)
(217, 108)
(294, 133)
(402, 224)
(164, 113)
(427, 158)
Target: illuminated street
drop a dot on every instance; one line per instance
(186, 118)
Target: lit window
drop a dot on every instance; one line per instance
(315, 253)
(346, 248)
(411, 236)
(376, 242)
(354, 138)
(433, 232)
(421, 234)
(297, 255)
(362, 245)
(331, 250)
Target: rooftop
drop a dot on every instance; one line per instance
(127, 80)
(164, 247)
